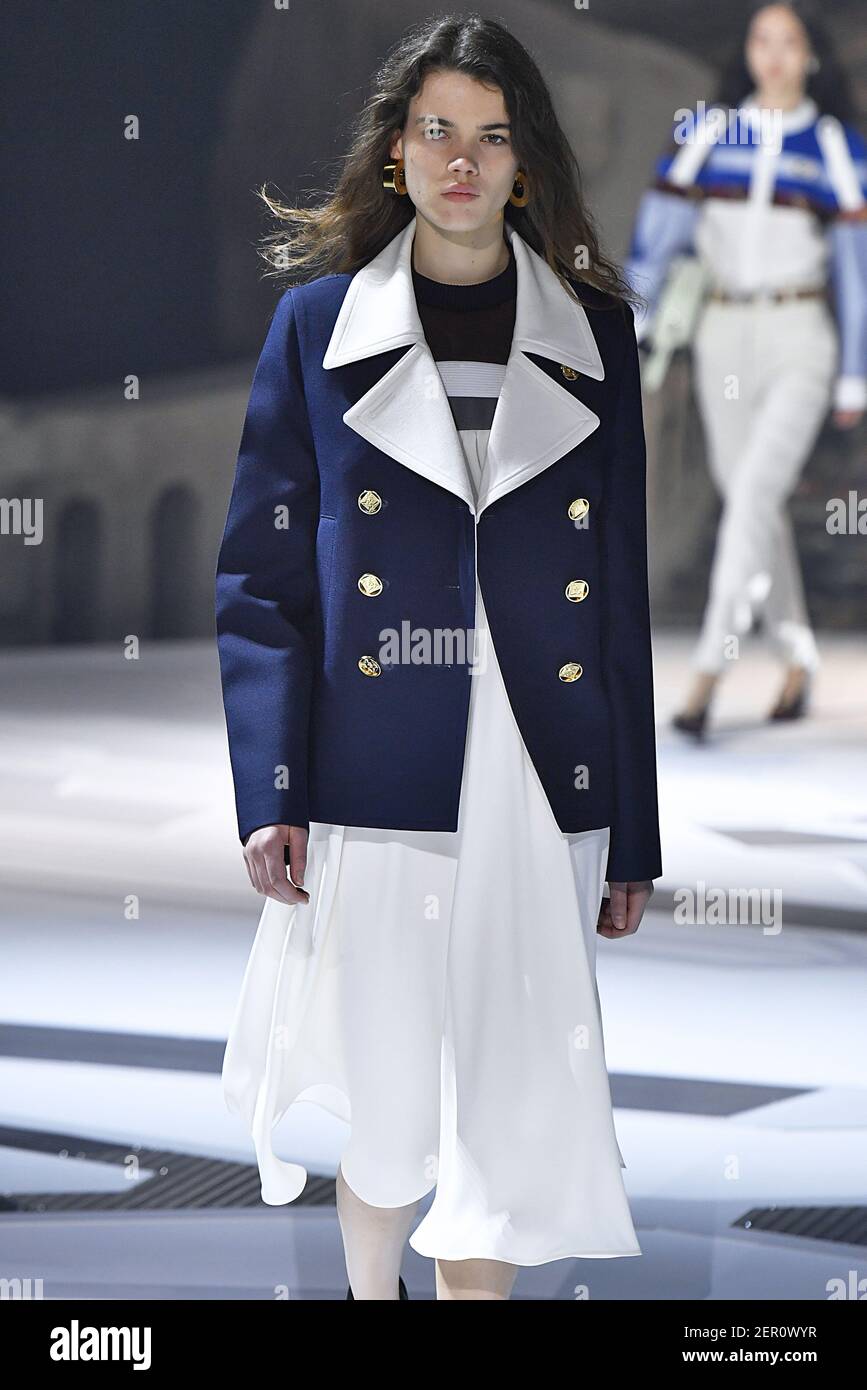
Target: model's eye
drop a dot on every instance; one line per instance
(433, 132)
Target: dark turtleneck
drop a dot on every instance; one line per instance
(469, 323)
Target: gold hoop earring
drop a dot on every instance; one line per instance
(520, 194)
(393, 177)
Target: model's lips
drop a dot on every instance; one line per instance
(459, 193)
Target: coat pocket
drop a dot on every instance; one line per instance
(325, 538)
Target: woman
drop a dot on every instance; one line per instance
(434, 639)
(770, 188)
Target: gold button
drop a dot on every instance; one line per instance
(369, 666)
(570, 672)
(370, 585)
(569, 372)
(369, 501)
(576, 590)
(579, 507)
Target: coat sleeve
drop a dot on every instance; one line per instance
(664, 227)
(265, 589)
(634, 850)
(666, 219)
(846, 159)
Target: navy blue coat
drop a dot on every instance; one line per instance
(352, 517)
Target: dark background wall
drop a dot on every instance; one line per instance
(138, 256)
(113, 246)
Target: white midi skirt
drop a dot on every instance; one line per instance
(438, 993)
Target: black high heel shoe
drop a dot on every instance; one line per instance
(795, 708)
(401, 1286)
(693, 724)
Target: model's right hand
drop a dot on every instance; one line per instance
(266, 862)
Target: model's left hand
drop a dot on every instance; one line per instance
(846, 419)
(621, 913)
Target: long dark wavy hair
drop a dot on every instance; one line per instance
(359, 217)
(829, 87)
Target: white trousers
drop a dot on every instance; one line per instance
(764, 375)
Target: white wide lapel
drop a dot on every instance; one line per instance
(406, 413)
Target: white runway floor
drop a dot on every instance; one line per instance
(737, 1052)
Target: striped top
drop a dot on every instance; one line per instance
(469, 330)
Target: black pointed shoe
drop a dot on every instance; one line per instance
(795, 708)
(691, 723)
(401, 1286)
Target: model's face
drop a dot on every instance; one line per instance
(457, 133)
(777, 51)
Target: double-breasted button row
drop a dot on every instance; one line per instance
(371, 586)
(369, 502)
(576, 590)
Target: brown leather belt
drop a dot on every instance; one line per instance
(766, 297)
